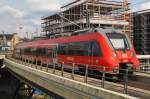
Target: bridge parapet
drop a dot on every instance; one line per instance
(62, 86)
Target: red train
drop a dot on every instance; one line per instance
(97, 48)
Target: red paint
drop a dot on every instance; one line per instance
(107, 59)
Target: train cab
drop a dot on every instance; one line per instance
(120, 54)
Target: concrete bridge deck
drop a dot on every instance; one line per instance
(67, 88)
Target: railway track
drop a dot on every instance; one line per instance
(145, 74)
(138, 85)
(140, 81)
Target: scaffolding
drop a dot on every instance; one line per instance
(141, 31)
(101, 13)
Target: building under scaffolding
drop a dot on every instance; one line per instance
(98, 13)
(141, 31)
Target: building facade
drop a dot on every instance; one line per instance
(8, 41)
(141, 31)
(98, 13)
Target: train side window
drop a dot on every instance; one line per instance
(33, 51)
(52, 52)
(72, 49)
(43, 51)
(22, 51)
(37, 52)
(49, 52)
(83, 48)
(27, 50)
(95, 50)
(78, 48)
(60, 49)
(63, 49)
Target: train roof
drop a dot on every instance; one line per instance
(90, 34)
(101, 30)
(30, 44)
(55, 41)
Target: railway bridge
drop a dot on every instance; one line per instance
(71, 85)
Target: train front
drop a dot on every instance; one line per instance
(121, 54)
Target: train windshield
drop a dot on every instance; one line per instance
(118, 41)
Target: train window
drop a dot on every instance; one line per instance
(63, 49)
(49, 52)
(22, 51)
(37, 52)
(27, 50)
(90, 48)
(95, 50)
(33, 51)
(118, 41)
(53, 50)
(79, 48)
(41, 51)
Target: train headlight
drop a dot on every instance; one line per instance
(115, 54)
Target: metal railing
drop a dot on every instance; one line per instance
(5, 52)
(80, 72)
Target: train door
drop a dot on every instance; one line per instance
(95, 52)
(90, 52)
(54, 53)
(90, 57)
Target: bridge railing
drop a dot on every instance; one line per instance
(85, 71)
(144, 63)
(58, 70)
(6, 52)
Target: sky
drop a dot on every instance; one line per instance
(28, 13)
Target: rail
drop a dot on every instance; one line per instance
(86, 74)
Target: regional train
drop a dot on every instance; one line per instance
(96, 48)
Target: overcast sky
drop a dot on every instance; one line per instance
(28, 13)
